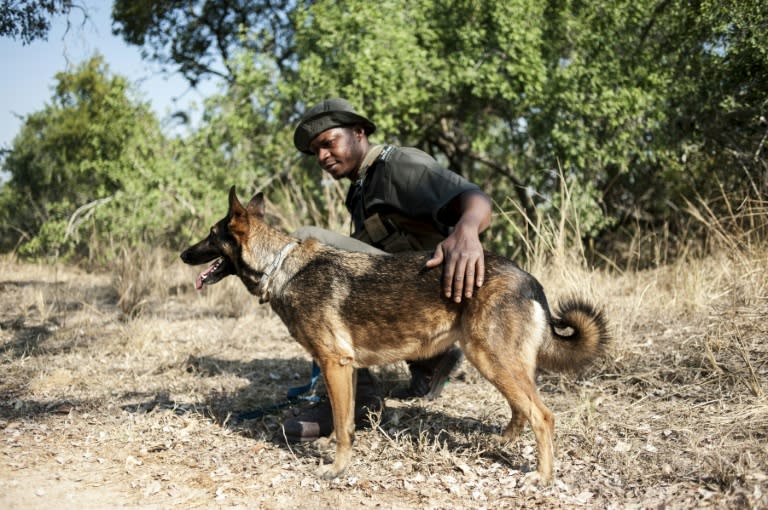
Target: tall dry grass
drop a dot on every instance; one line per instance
(718, 280)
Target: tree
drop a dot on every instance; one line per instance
(31, 19)
(454, 78)
(624, 108)
(720, 101)
(92, 143)
(199, 38)
(656, 104)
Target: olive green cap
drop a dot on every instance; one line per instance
(329, 114)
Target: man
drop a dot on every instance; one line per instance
(400, 199)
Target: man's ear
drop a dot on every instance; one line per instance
(359, 131)
(256, 205)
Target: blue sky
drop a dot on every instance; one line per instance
(28, 71)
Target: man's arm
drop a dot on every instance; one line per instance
(461, 253)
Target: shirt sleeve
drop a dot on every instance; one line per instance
(415, 185)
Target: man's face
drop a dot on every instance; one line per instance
(340, 151)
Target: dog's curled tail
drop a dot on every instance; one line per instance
(579, 335)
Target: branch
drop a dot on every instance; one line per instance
(86, 211)
(520, 188)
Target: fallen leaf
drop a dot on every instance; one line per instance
(622, 447)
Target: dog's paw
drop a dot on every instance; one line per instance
(535, 479)
(502, 441)
(328, 471)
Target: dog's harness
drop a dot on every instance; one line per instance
(266, 279)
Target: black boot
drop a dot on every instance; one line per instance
(317, 421)
(428, 377)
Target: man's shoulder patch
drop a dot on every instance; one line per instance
(386, 152)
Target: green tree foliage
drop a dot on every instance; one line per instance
(653, 103)
(620, 111)
(200, 38)
(86, 165)
(719, 101)
(628, 108)
(455, 78)
(29, 20)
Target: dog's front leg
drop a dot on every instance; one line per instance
(339, 381)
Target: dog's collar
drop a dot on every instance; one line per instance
(266, 278)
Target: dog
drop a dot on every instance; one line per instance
(351, 310)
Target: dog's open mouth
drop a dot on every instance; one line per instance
(212, 274)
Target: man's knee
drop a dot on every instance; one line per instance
(309, 231)
(334, 239)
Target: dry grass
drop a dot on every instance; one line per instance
(125, 390)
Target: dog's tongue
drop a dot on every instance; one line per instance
(200, 280)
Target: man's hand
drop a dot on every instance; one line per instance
(461, 254)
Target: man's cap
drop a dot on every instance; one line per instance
(329, 114)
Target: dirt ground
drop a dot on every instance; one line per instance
(111, 401)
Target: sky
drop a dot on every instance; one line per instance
(28, 71)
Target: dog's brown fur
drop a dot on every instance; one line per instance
(353, 310)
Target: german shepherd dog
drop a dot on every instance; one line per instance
(351, 310)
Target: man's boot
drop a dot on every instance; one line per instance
(429, 376)
(317, 421)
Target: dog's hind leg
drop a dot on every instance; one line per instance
(515, 426)
(517, 386)
(524, 398)
(339, 381)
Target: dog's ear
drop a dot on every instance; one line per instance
(238, 216)
(235, 207)
(256, 205)
(234, 202)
